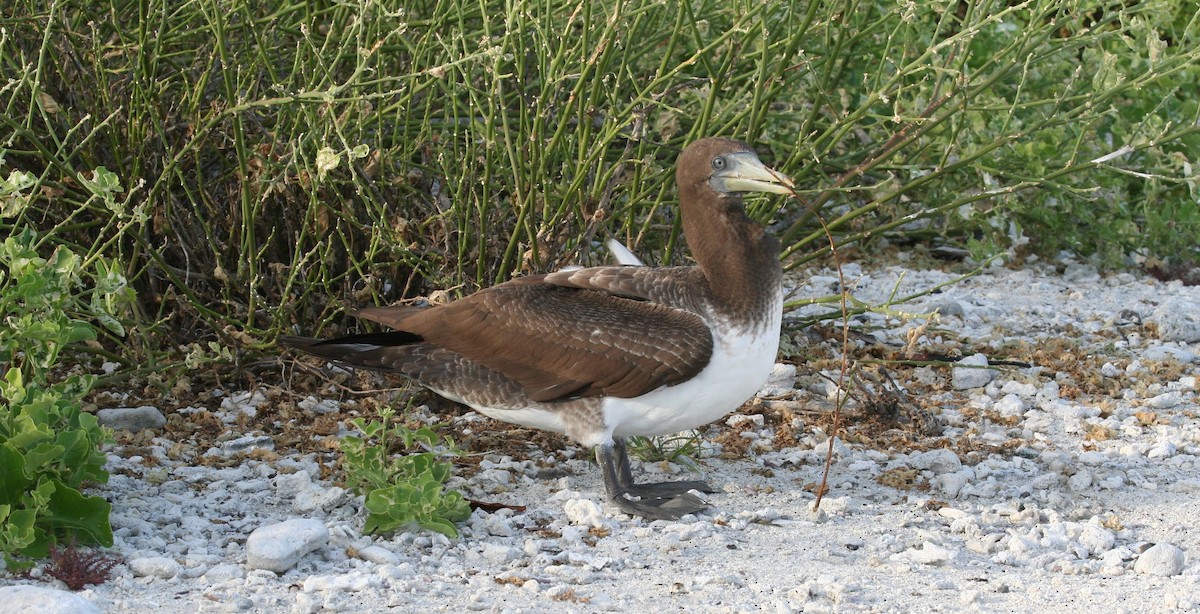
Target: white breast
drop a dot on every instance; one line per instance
(740, 364)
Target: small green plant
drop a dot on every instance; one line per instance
(681, 449)
(49, 447)
(403, 489)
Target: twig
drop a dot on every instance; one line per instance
(842, 396)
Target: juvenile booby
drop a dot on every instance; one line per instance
(605, 353)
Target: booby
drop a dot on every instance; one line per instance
(604, 353)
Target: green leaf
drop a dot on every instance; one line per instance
(104, 181)
(107, 320)
(441, 526)
(106, 185)
(76, 332)
(327, 160)
(13, 479)
(44, 456)
(78, 515)
(12, 387)
(12, 199)
(64, 265)
(31, 428)
(17, 531)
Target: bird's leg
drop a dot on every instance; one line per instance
(671, 501)
(624, 474)
(654, 489)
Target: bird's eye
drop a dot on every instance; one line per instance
(718, 163)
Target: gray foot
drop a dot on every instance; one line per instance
(656, 501)
(666, 490)
(661, 509)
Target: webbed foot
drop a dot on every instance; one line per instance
(653, 501)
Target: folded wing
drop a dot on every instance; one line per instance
(559, 339)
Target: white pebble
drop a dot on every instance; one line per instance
(23, 599)
(1165, 400)
(1161, 559)
(1020, 389)
(1096, 538)
(131, 418)
(1177, 320)
(1168, 352)
(604, 602)
(951, 513)
(928, 554)
(378, 555)
(307, 604)
(953, 483)
(1010, 405)
(320, 406)
(781, 380)
(1164, 448)
(741, 421)
(938, 461)
(1081, 481)
(499, 525)
(317, 497)
(972, 372)
(288, 485)
(500, 553)
(224, 572)
(156, 566)
(584, 512)
(1182, 601)
(352, 582)
(278, 547)
(830, 505)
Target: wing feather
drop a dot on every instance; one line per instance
(671, 286)
(558, 342)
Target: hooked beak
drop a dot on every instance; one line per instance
(744, 172)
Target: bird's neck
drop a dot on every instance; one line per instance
(738, 258)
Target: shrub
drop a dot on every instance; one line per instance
(293, 159)
(49, 447)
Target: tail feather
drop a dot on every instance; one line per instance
(295, 342)
(347, 349)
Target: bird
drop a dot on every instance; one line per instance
(605, 353)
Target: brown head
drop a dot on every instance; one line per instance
(729, 247)
(716, 167)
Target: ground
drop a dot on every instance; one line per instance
(1061, 475)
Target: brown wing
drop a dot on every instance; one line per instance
(671, 286)
(560, 342)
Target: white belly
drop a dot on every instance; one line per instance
(738, 368)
